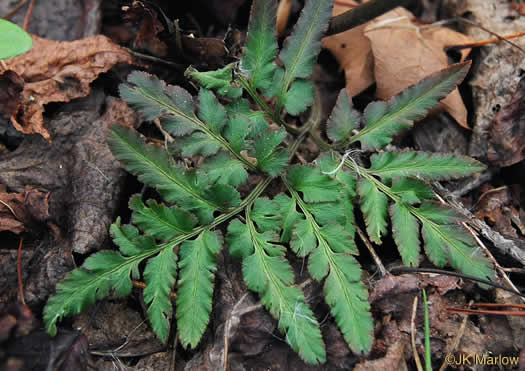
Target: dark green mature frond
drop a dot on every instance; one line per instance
(405, 229)
(159, 276)
(261, 44)
(299, 55)
(374, 206)
(330, 247)
(316, 187)
(266, 271)
(219, 80)
(343, 119)
(159, 221)
(269, 157)
(412, 191)
(100, 273)
(223, 169)
(429, 166)
(195, 287)
(152, 166)
(385, 119)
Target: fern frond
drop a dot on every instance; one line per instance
(266, 271)
(100, 273)
(315, 187)
(159, 276)
(195, 287)
(412, 191)
(385, 119)
(374, 206)
(329, 247)
(159, 221)
(343, 119)
(152, 166)
(429, 166)
(405, 229)
(220, 80)
(223, 169)
(261, 44)
(299, 55)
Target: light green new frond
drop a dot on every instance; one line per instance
(219, 80)
(195, 287)
(429, 166)
(374, 205)
(316, 187)
(343, 119)
(152, 166)
(385, 119)
(159, 276)
(261, 44)
(405, 229)
(159, 221)
(223, 169)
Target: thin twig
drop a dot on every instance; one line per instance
(9, 207)
(15, 10)
(413, 335)
(28, 14)
(19, 272)
(370, 248)
(458, 337)
(362, 14)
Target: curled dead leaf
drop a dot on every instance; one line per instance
(56, 71)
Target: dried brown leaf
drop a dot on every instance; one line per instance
(19, 209)
(60, 71)
(404, 54)
(11, 97)
(352, 50)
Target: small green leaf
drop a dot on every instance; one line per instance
(195, 287)
(299, 97)
(269, 158)
(385, 119)
(159, 221)
(412, 191)
(159, 276)
(315, 186)
(219, 80)
(261, 44)
(374, 207)
(424, 165)
(439, 214)
(266, 215)
(223, 169)
(241, 107)
(236, 131)
(290, 216)
(343, 119)
(405, 229)
(13, 40)
(198, 143)
(211, 111)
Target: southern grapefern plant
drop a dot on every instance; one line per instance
(313, 216)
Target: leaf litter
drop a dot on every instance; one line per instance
(395, 52)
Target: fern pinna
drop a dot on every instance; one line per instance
(229, 132)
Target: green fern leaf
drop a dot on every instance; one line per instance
(159, 276)
(450, 242)
(412, 191)
(100, 273)
(195, 288)
(374, 207)
(196, 144)
(405, 229)
(211, 111)
(316, 187)
(159, 221)
(219, 80)
(290, 216)
(241, 107)
(343, 119)
(266, 271)
(300, 50)
(261, 44)
(299, 97)
(236, 131)
(385, 119)
(266, 214)
(270, 158)
(330, 247)
(153, 167)
(424, 165)
(223, 169)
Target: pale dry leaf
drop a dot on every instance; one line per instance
(283, 13)
(405, 54)
(17, 210)
(352, 50)
(56, 71)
